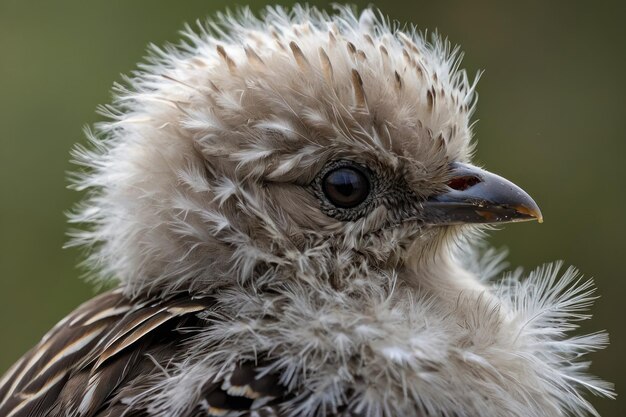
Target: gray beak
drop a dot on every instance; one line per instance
(478, 196)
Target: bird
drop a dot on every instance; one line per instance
(285, 211)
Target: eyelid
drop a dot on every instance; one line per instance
(339, 163)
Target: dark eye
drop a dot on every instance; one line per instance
(346, 187)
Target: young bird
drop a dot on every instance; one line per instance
(288, 207)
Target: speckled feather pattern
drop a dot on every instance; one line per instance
(242, 292)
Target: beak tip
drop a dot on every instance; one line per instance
(532, 211)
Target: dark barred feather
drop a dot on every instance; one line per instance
(106, 352)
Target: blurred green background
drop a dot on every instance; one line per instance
(551, 113)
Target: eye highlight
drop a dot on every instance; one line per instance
(346, 187)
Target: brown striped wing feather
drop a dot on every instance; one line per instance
(107, 349)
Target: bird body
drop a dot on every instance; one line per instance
(288, 207)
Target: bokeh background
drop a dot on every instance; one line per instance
(551, 113)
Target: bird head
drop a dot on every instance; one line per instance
(325, 146)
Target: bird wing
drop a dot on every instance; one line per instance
(108, 349)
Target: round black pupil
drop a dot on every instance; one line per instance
(346, 187)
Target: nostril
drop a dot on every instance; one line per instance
(463, 183)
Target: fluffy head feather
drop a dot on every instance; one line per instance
(204, 170)
(206, 180)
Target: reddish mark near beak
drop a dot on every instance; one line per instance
(463, 183)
